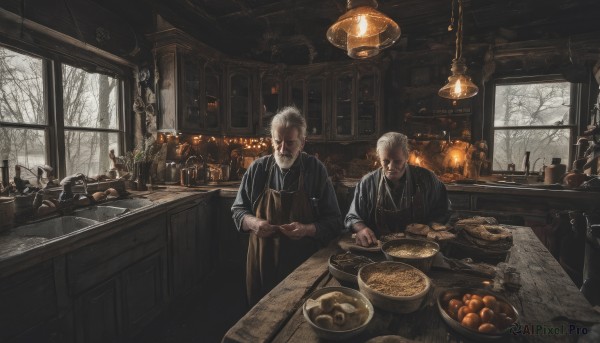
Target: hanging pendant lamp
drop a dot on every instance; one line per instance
(459, 85)
(363, 31)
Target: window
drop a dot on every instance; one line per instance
(88, 116)
(535, 116)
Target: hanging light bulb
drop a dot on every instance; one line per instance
(459, 85)
(363, 31)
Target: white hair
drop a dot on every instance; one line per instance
(392, 140)
(289, 117)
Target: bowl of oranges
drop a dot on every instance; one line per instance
(477, 313)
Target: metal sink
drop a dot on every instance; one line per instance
(55, 227)
(100, 213)
(130, 204)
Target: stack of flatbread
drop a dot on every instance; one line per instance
(435, 232)
(485, 232)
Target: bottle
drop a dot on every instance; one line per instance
(554, 171)
(5, 178)
(526, 163)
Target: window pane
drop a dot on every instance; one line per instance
(23, 146)
(532, 104)
(87, 152)
(21, 88)
(510, 147)
(90, 100)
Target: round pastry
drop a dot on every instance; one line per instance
(418, 229)
(489, 232)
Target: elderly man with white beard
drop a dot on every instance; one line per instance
(287, 203)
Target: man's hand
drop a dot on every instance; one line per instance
(260, 227)
(297, 230)
(365, 237)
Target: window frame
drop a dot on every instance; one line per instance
(54, 128)
(574, 113)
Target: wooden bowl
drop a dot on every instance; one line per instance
(397, 304)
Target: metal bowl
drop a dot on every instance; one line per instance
(339, 335)
(397, 304)
(423, 263)
(457, 293)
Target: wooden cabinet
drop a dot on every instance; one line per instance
(144, 291)
(356, 104)
(182, 228)
(30, 312)
(99, 316)
(240, 95)
(191, 237)
(308, 94)
(190, 91)
(271, 89)
(213, 96)
(119, 283)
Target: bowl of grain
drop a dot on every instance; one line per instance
(416, 252)
(393, 286)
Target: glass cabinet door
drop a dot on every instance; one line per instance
(240, 102)
(366, 106)
(315, 111)
(297, 96)
(343, 104)
(212, 91)
(270, 102)
(190, 111)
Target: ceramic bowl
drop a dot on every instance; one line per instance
(422, 263)
(339, 335)
(458, 293)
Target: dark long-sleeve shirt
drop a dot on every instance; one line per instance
(436, 203)
(316, 184)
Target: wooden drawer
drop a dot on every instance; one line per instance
(460, 201)
(97, 262)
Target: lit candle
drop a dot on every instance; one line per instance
(455, 162)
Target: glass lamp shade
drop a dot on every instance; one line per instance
(459, 85)
(363, 32)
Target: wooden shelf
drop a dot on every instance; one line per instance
(430, 116)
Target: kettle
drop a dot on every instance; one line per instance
(188, 173)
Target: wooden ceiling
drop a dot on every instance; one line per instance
(293, 31)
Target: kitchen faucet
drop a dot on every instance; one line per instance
(67, 183)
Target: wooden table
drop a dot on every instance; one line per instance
(548, 299)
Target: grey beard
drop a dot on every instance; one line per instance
(285, 162)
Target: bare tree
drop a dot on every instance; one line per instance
(530, 105)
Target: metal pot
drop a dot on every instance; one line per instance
(188, 176)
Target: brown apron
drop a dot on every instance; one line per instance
(271, 259)
(396, 220)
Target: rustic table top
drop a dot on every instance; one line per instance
(548, 299)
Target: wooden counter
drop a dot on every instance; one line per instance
(547, 297)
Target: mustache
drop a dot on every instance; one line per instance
(284, 155)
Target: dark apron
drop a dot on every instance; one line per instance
(388, 220)
(271, 259)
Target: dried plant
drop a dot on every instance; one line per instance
(147, 151)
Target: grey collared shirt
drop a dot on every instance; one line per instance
(363, 205)
(316, 184)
